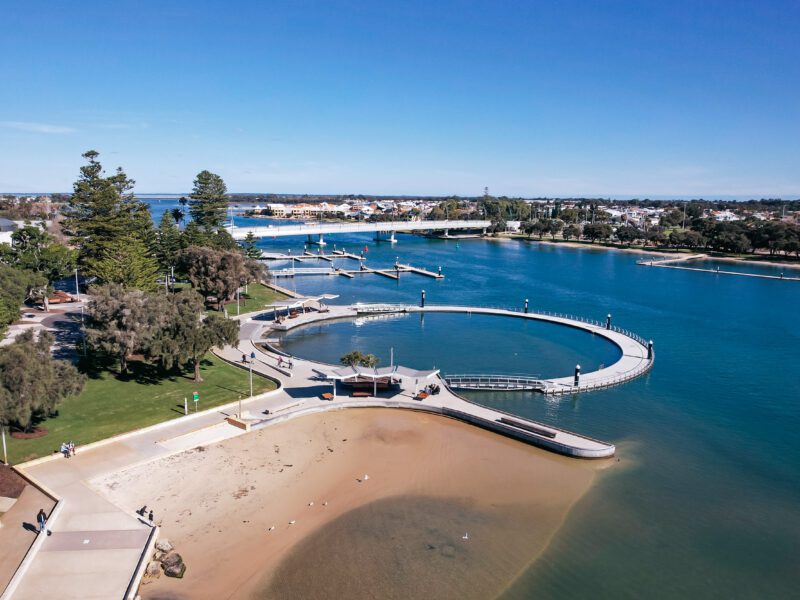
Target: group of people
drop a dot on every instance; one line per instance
(285, 363)
(68, 449)
(432, 389)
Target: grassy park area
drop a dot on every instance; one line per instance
(110, 405)
(257, 297)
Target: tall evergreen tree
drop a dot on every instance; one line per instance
(250, 247)
(101, 211)
(209, 201)
(129, 264)
(168, 242)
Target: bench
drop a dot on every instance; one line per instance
(361, 394)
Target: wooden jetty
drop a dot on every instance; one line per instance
(418, 271)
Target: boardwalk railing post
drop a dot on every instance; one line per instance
(608, 321)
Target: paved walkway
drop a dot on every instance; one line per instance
(19, 530)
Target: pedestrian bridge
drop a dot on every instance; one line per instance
(386, 228)
(495, 382)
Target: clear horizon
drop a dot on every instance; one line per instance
(639, 99)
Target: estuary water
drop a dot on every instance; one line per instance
(704, 502)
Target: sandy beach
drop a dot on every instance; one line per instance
(288, 511)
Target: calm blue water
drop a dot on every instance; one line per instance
(705, 501)
(520, 346)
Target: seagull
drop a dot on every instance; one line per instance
(311, 504)
(465, 536)
(325, 503)
(366, 477)
(292, 522)
(271, 528)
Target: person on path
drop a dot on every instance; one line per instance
(41, 518)
(244, 358)
(290, 364)
(150, 518)
(72, 447)
(65, 449)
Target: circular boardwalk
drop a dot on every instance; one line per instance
(636, 358)
(633, 362)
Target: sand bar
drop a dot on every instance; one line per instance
(429, 479)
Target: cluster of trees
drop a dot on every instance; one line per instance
(359, 359)
(114, 235)
(169, 330)
(738, 237)
(34, 249)
(32, 382)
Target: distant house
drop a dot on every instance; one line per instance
(725, 216)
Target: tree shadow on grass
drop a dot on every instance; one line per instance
(95, 365)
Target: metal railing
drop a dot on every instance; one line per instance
(495, 382)
(381, 308)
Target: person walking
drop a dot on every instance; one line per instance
(65, 449)
(41, 519)
(72, 448)
(150, 518)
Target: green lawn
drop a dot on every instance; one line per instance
(110, 406)
(256, 298)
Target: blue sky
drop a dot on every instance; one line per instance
(610, 98)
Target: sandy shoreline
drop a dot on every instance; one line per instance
(397, 534)
(661, 254)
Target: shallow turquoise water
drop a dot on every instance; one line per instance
(705, 500)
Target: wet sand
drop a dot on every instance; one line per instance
(397, 534)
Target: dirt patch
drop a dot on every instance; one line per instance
(11, 484)
(30, 435)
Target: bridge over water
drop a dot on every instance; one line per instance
(382, 230)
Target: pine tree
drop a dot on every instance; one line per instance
(168, 242)
(250, 247)
(209, 201)
(129, 264)
(101, 211)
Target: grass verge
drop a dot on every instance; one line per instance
(110, 405)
